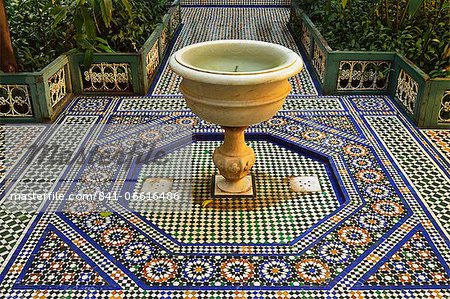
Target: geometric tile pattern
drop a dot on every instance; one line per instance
(155, 253)
(147, 254)
(171, 103)
(163, 103)
(272, 217)
(15, 140)
(87, 105)
(202, 247)
(441, 140)
(12, 225)
(36, 176)
(430, 180)
(54, 261)
(371, 104)
(313, 103)
(342, 123)
(269, 24)
(410, 265)
(312, 268)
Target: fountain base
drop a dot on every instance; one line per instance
(219, 183)
(234, 160)
(237, 187)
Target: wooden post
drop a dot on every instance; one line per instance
(8, 61)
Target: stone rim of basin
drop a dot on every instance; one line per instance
(290, 63)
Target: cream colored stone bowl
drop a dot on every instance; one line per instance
(235, 84)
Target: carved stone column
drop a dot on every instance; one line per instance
(234, 160)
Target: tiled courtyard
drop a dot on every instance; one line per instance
(379, 228)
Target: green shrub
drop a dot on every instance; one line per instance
(35, 43)
(419, 31)
(43, 29)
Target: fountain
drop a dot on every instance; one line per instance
(235, 84)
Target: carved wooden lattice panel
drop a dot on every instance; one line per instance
(306, 38)
(319, 61)
(444, 111)
(107, 77)
(164, 38)
(15, 101)
(363, 75)
(152, 61)
(57, 86)
(407, 90)
(293, 16)
(175, 19)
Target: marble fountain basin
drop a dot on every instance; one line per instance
(235, 83)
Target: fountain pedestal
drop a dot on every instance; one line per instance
(234, 160)
(235, 84)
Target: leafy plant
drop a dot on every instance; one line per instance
(86, 16)
(43, 29)
(417, 29)
(145, 15)
(35, 42)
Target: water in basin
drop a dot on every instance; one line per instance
(234, 58)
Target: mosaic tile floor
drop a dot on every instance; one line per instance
(378, 229)
(274, 199)
(440, 139)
